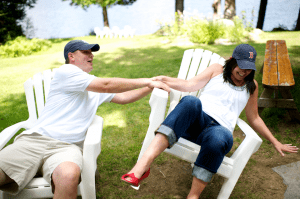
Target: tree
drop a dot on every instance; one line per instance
(229, 11)
(11, 13)
(102, 3)
(298, 22)
(261, 14)
(28, 28)
(179, 6)
(217, 9)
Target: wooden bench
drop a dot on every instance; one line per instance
(277, 77)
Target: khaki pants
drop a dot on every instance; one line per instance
(32, 154)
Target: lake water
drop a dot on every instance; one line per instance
(57, 19)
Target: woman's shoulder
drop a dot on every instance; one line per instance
(217, 69)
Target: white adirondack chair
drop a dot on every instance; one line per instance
(128, 31)
(107, 32)
(38, 187)
(231, 167)
(99, 32)
(116, 32)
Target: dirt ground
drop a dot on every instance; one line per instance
(172, 178)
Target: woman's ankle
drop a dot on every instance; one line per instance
(192, 196)
(138, 172)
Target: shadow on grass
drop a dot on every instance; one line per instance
(148, 62)
(13, 109)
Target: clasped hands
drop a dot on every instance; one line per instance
(156, 82)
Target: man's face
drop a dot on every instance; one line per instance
(83, 59)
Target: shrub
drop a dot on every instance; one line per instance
(92, 33)
(202, 31)
(172, 27)
(177, 28)
(237, 32)
(22, 47)
(248, 25)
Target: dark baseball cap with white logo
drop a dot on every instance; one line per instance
(245, 56)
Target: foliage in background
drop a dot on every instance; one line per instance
(178, 28)
(237, 32)
(11, 13)
(22, 46)
(201, 31)
(249, 26)
(205, 31)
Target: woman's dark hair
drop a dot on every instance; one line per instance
(67, 61)
(229, 66)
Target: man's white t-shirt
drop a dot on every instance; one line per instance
(69, 108)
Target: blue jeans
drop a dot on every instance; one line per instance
(188, 121)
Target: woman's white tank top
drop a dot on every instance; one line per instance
(223, 101)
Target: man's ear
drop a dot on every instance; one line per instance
(71, 57)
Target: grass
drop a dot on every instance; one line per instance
(125, 126)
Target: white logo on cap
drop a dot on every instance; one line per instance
(251, 55)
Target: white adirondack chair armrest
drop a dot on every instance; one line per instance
(92, 142)
(10, 131)
(250, 144)
(158, 103)
(91, 150)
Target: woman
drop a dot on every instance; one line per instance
(210, 120)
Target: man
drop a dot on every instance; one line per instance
(53, 146)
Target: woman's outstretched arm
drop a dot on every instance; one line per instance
(258, 125)
(195, 83)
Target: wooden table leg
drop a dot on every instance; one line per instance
(264, 99)
(293, 111)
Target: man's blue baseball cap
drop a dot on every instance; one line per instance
(74, 45)
(245, 56)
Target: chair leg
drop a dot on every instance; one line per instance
(97, 175)
(3, 195)
(227, 188)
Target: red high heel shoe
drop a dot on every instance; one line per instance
(134, 181)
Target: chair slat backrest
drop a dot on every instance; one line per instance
(193, 63)
(47, 76)
(39, 92)
(36, 91)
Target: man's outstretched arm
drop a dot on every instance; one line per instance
(126, 89)
(117, 85)
(131, 96)
(134, 95)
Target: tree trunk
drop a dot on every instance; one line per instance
(179, 5)
(105, 18)
(217, 9)
(229, 11)
(261, 14)
(298, 22)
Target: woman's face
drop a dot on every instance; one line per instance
(240, 74)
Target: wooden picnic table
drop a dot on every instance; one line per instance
(277, 78)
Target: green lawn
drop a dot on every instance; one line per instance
(125, 125)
